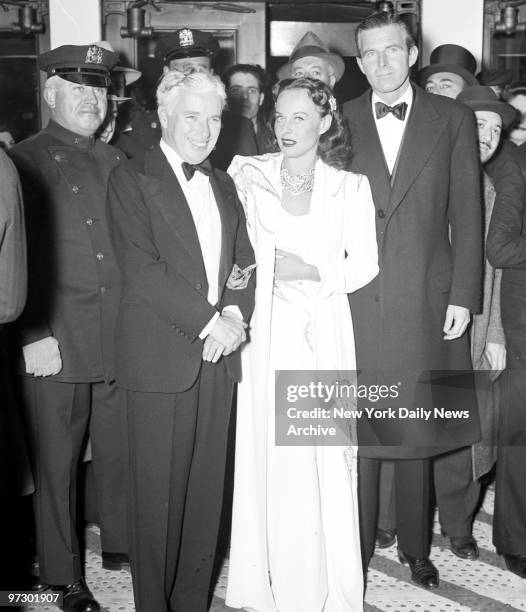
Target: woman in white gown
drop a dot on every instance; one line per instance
(295, 541)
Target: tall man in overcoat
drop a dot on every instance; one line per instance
(181, 240)
(66, 331)
(420, 155)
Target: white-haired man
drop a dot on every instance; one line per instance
(179, 233)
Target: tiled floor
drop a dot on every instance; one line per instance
(477, 586)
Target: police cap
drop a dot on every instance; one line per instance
(186, 43)
(83, 64)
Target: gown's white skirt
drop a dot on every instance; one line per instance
(295, 543)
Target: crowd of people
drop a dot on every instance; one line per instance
(237, 235)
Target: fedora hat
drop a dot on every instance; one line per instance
(495, 77)
(450, 58)
(483, 98)
(311, 45)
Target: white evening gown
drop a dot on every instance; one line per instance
(295, 538)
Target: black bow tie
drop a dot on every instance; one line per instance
(398, 110)
(190, 169)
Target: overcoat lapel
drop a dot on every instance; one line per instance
(167, 194)
(424, 128)
(369, 152)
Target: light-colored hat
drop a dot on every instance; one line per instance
(311, 45)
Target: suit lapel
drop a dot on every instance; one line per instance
(369, 155)
(223, 197)
(167, 194)
(424, 128)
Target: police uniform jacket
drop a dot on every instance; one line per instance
(73, 284)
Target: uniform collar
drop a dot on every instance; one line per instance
(68, 137)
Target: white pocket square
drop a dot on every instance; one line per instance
(239, 278)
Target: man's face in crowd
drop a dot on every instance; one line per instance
(446, 84)
(191, 124)
(244, 96)
(518, 134)
(385, 60)
(314, 68)
(187, 65)
(79, 108)
(489, 126)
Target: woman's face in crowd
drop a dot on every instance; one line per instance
(298, 124)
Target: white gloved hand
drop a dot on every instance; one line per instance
(42, 357)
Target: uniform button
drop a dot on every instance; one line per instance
(58, 157)
(154, 125)
(100, 256)
(198, 286)
(376, 298)
(173, 327)
(103, 290)
(118, 157)
(75, 189)
(381, 213)
(89, 221)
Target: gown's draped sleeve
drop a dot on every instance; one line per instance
(360, 265)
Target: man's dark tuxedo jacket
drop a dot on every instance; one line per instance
(164, 304)
(399, 316)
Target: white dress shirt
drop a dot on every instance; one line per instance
(390, 129)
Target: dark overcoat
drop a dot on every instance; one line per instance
(399, 316)
(73, 278)
(164, 304)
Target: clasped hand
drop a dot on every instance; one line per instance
(291, 267)
(225, 337)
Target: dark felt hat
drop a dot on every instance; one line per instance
(450, 58)
(84, 64)
(483, 98)
(186, 43)
(494, 76)
(311, 45)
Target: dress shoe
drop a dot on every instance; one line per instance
(115, 561)
(77, 597)
(423, 572)
(516, 564)
(385, 537)
(464, 547)
(37, 585)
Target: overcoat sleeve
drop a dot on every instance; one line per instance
(13, 270)
(506, 243)
(465, 217)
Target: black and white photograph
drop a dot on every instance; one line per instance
(263, 305)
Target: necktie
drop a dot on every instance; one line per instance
(398, 110)
(190, 169)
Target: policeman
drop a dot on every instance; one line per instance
(66, 330)
(189, 51)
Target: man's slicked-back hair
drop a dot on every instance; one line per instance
(380, 20)
(174, 81)
(254, 69)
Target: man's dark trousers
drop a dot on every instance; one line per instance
(178, 445)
